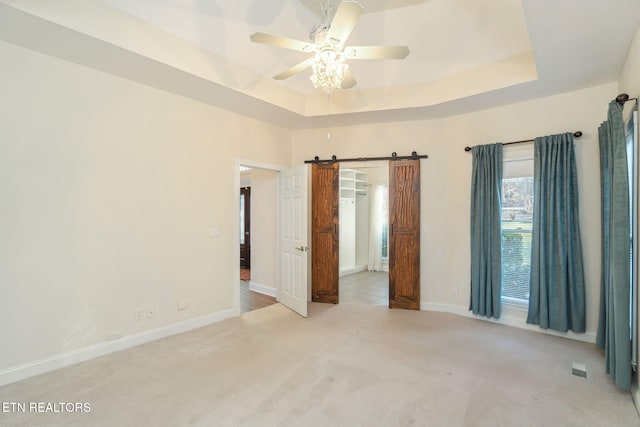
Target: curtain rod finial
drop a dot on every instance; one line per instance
(577, 134)
(622, 98)
(467, 148)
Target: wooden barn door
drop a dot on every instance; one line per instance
(324, 229)
(404, 234)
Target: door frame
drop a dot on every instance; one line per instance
(235, 241)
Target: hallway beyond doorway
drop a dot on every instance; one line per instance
(252, 300)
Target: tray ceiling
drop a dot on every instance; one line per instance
(465, 54)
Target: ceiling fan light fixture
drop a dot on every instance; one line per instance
(328, 70)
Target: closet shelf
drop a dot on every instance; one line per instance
(352, 183)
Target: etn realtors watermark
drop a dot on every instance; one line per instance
(46, 407)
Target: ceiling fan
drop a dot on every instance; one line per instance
(328, 47)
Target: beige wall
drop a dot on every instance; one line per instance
(630, 76)
(108, 191)
(446, 178)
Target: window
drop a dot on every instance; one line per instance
(517, 223)
(385, 240)
(385, 223)
(632, 157)
(379, 222)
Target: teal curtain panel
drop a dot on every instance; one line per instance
(557, 295)
(486, 206)
(613, 326)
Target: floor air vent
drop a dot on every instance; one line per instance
(579, 369)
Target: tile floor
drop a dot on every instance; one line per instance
(365, 287)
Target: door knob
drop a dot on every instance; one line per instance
(302, 249)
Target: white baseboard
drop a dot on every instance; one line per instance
(352, 270)
(263, 289)
(31, 369)
(589, 337)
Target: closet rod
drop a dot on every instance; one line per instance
(576, 134)
(394, 156)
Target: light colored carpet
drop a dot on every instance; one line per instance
(346, 365)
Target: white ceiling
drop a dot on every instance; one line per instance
(465, 54)
(444, 36)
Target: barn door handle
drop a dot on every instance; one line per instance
(335, 229)
(392, 229)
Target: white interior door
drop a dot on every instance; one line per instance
(292, 235)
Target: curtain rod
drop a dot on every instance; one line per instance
(394, 156)
(576, 134)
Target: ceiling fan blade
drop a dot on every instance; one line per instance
(349, 81)
(284, 42)
(295, 69)
(344, 21)
(376, 52)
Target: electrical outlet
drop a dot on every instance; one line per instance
(454, 291)
(151, 311)
(139, 314)
(183, 304)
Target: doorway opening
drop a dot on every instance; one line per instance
(257, 222)
(403, 230)
(363, 235)
(245, 231)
